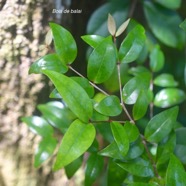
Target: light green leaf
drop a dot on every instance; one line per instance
(164, 25)
(183, 25)
(161, 125)
(132, 45)
(73, 94)
(165, 80)
(48, 62)
(138, 167)
(173, 4)
(93, 40)
(156, 59)
(94, 166)
(111, 25)
(45, 149)
(120, 137)
(55, 94)
(64, 43)
(57, 114)
(169, 97)
(102, 61)
(175, 175)
(75, 142)
(109, 106)
(38, 126)
(71, 168)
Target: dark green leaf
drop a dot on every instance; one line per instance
(120, 137)
(64, 42)
(102, 61)
(156, 59)
(85, 84)
(175, 175)
(116, 174)
(57, 114)
(170, 3)
(165, 80)
(94, 166)
(75, 142)
(71, 168)
(169, 97)
(132, 131)
(45, 149)
(164, 25)
(138, 167)
(141, 105)
(93, 40)
(38, 126)
(98, 21)
(109, 106)
(161, 125)
(183, 25)
(73, 94)
(132, 45)
(48, 62)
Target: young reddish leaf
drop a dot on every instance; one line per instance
(73, 94)
(111, 25)
(122, 28)
(75, 142)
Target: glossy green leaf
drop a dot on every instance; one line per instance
(164, 25)
(64, 43)
(94, 166)
(165, 80)
(75, 142)
(73, 94)
(72, 168)
(120, 137)
(38, 126)
(98, 21)
(134, 86)
(109, 106)
(132, 45)
(138, 70)
(138, 167)
(112, 151)
(44, 150)
(93, 40)
(116, 174)
(176, 175)
(156, 59)
(141, 105)
(132, 131)
(111, 25)
(102, 61)
(85, 84)
(57, 114)
(169, 97)
(161, 125)
(174, 4)
(48, 62)
(183, 25)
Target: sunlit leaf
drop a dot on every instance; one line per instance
(93, 40)
(75, 142)
(73, 94)
(165, 80)
(169, 97)
(64, 43)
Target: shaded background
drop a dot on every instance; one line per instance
(23, 26)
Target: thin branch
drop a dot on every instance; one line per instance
(95, 86)
(150, 158)
(121, 98)
(132, 8)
